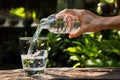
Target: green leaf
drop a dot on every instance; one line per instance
(110, 1)
(75, 58)
(116, 51)
(71, 49)
(89, 62)
(76, 65)
(98, 62)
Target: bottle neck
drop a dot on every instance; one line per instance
(45, 22)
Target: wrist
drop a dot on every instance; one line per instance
(109, 23)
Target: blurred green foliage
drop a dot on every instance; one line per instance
(57, 43)
(100, 49)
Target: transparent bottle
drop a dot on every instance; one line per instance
(59, 25)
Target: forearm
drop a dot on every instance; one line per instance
(110, 23)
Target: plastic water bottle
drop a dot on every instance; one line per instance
(59, 25)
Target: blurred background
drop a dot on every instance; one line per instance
(20, 18)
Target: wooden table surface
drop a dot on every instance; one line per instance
(65, 74)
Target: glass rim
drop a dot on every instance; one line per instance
(29, 38)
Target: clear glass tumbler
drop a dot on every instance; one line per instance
(34, 64)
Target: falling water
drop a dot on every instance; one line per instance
(35, 36)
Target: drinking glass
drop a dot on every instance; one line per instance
(34, 64)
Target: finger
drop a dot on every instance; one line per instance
(62, 14)
(76, 33)
(70, 23)
(65, 11)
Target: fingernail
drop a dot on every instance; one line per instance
(70, 36)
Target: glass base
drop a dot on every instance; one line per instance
(33, 73)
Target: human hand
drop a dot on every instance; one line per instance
(89, 21)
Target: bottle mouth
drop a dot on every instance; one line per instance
(45, 22)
